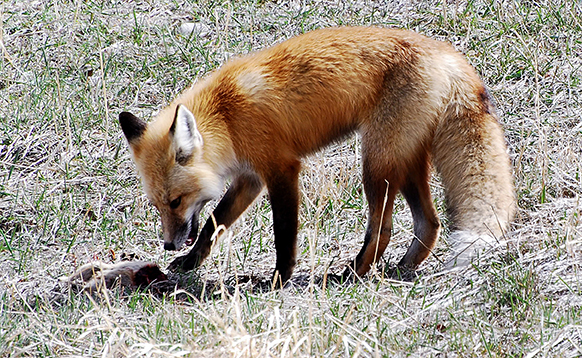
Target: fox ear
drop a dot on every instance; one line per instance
(132, 126)
(186, 137)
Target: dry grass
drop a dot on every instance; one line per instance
(69, 192)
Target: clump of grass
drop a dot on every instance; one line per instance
(69, 193)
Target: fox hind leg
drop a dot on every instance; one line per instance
(416, 191)
(381, 184)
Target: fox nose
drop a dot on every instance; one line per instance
(169, 246)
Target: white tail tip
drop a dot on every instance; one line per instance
(466, 246)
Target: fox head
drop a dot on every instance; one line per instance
(178, 181)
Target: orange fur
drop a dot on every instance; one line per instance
(413, 100)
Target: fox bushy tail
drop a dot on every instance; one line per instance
(469, 152)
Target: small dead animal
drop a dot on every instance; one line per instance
(131, 274)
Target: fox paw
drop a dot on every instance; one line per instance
(183, 263)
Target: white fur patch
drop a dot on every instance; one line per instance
(466, 246)
(252, 82)
(187, 138)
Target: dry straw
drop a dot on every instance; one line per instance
(69, 193)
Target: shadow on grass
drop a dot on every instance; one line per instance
(190, 285)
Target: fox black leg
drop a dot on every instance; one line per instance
(284, 197)
(242, 192)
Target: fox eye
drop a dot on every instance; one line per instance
(175, 203)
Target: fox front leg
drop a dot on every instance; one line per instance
(284, 197)
(242, 192)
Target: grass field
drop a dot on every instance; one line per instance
(69, 193)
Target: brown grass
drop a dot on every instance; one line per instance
(69, 193)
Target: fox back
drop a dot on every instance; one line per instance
(414, 101)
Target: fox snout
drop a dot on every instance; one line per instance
(176, 234)
(169, 246)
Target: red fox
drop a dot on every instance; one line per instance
(414, 101)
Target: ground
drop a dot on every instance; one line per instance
(69, 193)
